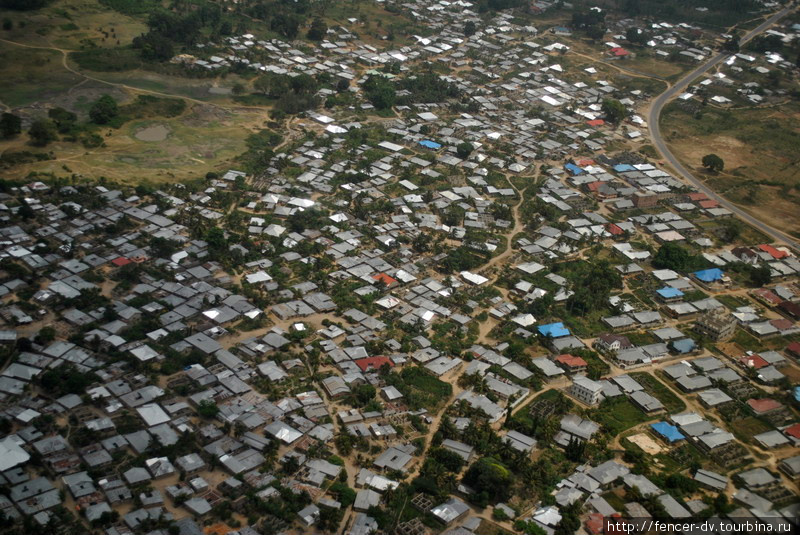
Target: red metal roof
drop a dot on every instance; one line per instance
(793, 430)
(570, 360)
(373, 363)
(764, 405)
(384, 278)
(773, 252)
(754, 361)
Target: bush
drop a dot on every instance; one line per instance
(490, 479)
(42, 132)
(104, 110)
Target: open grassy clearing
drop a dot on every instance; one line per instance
(761, 151)
(30, 75)
(71, 24)
(158, 150)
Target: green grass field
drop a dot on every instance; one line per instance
(617, 415)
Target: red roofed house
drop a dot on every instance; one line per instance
(708, 204)
(793, 350)
(696, 196)
(619, 52)
(773, 252)
(764, 406)
(571, 363)
(595, 524)
(793, 431)
(385, 279)
(790, 309)
(373, 363)
(596, 122)
(782, 325)
(767, 297)
(585, 163)
(753, 361)
(614, 230)
(121, 261)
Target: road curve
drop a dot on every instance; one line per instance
(655, 131)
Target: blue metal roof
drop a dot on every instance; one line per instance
(668, 431)
(574, 169)
(683, 345)
(668, 292)
(709, 275)
(623, 167)
(553, 330)
(430, 144)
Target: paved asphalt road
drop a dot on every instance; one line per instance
(655, 131)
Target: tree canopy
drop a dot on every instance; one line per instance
(10, 125)
(42, 132)
(104, 110)
(712, 162)
(318, 30)
(614, 110)
(673, 256)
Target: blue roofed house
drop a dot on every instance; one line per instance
(573, 169)
(667, 431)
(553, 330)
(708, 277)
(683, 346)
(669, 294)
(428, 144)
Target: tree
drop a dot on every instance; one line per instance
(318, 30)
(614, 110)
(23, 5)
(64, 120)
(10, 125)
(714, 163)
(595, 32)
(575, 450)
(760, 276)
(272, 85)
(464, 150)
(380, 92)
(42, 132)
(490, 480)
(363, 394)
(469, 28)
(215, 237)
(673, 256)
(104, 110)
(207, 409)
(731, 45)
(636, 36)
(730, 230)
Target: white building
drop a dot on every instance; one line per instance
(587, 390)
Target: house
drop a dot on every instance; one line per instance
(612, 342)
(586, 390)
(450, 511)
(717, 324)
(571, 363)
